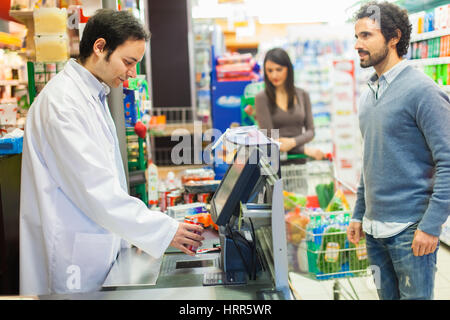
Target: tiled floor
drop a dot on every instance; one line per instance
(308, 289)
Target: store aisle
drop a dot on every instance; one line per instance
(442, 283)
(364, 287)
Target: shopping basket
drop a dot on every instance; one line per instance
(325, 252)
(303, 178)
(317, 237)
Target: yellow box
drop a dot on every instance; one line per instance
(50, 21)
(51, 48)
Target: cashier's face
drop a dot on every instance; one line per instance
(121, 64)
(370, 43)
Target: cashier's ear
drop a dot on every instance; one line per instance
(99, 47)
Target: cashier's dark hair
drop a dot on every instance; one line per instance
(392, 18)
(115, 27)
(280, 56)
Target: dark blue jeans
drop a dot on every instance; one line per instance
(398, 274)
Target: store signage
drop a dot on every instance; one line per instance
(229, 101)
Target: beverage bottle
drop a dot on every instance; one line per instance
(170, 181)
(162, 196)
(152, 184)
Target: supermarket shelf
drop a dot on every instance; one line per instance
(177, 170)
(429, 61)
(414, 6)
(26, 17)
(168, 129)
(10, 40)
(430, 35)
(22, 15)
(12, 82)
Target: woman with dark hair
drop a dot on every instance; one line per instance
(282, 106)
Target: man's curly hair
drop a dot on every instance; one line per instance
(392, 17)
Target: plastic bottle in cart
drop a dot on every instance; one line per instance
(152, 184)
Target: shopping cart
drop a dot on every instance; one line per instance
(317, 238)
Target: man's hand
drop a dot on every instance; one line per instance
(355, 232)
(424, 243)
(185, 236)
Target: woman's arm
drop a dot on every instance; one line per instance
(308, 135)
(263, 114)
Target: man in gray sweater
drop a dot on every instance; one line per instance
(404, 195)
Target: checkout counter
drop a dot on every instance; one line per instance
(248, 253)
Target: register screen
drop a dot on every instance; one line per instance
(230, 180)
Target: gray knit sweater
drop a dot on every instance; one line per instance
(406, 160)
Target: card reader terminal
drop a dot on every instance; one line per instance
(224, 278)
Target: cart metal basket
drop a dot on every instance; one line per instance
(323, 249)
(317, 240)
(303, 178)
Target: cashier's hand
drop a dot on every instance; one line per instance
(186, 237)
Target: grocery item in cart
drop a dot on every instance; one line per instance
(331, 256)
(296, 224)
(338, 203)
(325, 194)
(358, 257)
(292, 200)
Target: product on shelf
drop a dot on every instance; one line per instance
(204, 186)
(50, 34)
(237, 70)
(51, 48)
(431, 20)
(245, 58)
(44, 72)
(50, 21)
(237, 67)
(8, 113)
(431, 48)
(197, 175)
(135, 101)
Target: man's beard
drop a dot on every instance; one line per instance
(375, 59)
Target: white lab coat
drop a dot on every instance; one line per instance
(73, 211)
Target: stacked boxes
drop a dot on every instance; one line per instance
(51, 39)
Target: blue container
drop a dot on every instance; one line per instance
(129, 104)
(11, 145)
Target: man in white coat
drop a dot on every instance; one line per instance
(74, 208)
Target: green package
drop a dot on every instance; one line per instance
(331, 256)
(358, 259)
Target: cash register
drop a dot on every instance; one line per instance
(248, 208)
